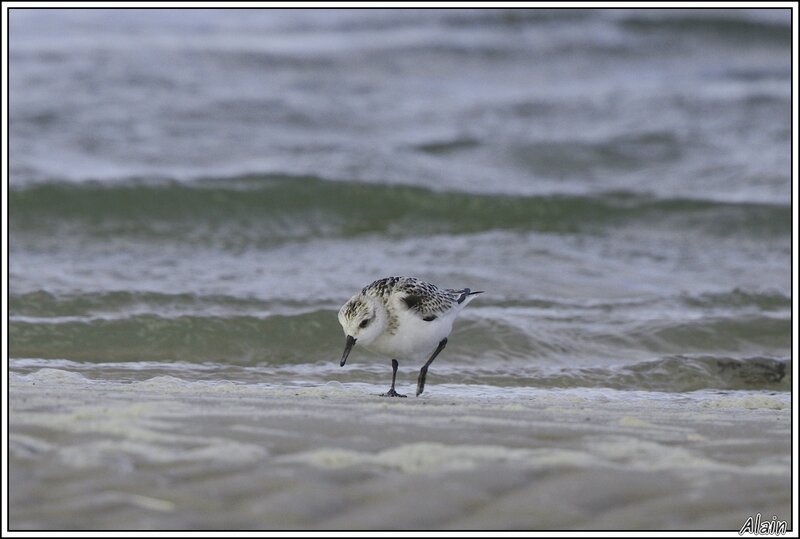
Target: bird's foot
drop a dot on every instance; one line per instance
(392, 393)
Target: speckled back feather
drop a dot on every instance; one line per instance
(425, 299)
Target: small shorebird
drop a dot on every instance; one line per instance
(404, 318)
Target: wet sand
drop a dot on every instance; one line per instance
(165, 453)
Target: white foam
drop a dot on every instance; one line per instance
(55, 376)
(749, 402)
(426, 457)
(641, 454)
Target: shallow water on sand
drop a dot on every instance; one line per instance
(167, 453)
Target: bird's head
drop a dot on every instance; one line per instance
(363, 319)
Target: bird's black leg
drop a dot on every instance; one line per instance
(423, 372)
(392, 392)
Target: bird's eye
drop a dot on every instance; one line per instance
(364, 323)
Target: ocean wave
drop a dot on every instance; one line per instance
(763, 301)
(264, 209)
(147, 337)
(121, 303)
(715, 333)
(121, 326)
(718, 25)
(668, 374)
(678, 373)
(47, 304)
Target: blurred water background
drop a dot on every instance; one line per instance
(196, 192)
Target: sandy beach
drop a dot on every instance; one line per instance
(166, 453)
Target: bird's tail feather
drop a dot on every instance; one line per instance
(467, 295)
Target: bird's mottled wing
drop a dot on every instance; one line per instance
(425, 299)
(420, 298)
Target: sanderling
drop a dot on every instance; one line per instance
(402, 317)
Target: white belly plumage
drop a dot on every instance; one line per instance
(414, 339)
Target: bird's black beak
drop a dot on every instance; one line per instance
(348, 345)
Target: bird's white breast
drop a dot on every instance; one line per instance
(413, 337)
